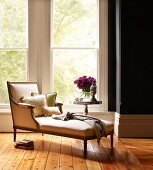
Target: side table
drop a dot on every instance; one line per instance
(86, 104)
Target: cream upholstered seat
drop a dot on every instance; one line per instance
(23, 117)
(75, 127)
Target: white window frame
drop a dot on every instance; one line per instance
(101, 60)
(7, 106)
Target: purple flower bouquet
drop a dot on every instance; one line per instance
(85, 83)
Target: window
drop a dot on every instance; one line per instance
(76, 31)
(75, 45)
(78, 46)
(13, 44)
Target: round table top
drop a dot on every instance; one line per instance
(86, 102)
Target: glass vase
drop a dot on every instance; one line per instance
(85, 96)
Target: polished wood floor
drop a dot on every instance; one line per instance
(52, 152)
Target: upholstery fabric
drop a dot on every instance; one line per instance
(96, 124)
(49, 111)
(109, 126)
(38, 101)
(76, 127)
(71, 127)
(50, 98)
(19, 90)
(22, 117)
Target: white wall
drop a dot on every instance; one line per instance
(6, 124)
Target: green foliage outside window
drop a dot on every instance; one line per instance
(12, 68)
(13, 54)
(75, 32)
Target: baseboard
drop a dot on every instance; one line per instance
(133, 125)
(6, 124)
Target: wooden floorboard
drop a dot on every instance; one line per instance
(27, 162)
(42, 153)
(61, 153)
(77, 151)
(66, 154)
(12, 160)
(142, 149)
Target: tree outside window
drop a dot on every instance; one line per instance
(74, 45)
(13, 44)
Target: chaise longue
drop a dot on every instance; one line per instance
(24, 118)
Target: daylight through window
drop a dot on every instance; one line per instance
(13, 44)
(74, 47)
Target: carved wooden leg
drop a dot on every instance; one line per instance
(85, 148)
(14, 134)
(111, 140)
(86, 109)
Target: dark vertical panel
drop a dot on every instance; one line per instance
(136, 57)
(111, 56)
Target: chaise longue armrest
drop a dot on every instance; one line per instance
(25, 105)
(59, 105)
(23, 115)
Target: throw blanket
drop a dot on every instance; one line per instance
(97, 124)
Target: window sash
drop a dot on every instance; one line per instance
(18, 47)
(52, 44)
(25, 50)
(53, 47)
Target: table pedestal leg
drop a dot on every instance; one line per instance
(86, 109)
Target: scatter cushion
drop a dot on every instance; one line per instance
(39, 101)
(21, 99)
(50, 98)
(34, 94)
(49, 111)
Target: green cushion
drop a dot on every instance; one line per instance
(51, 99)
(49, 111)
